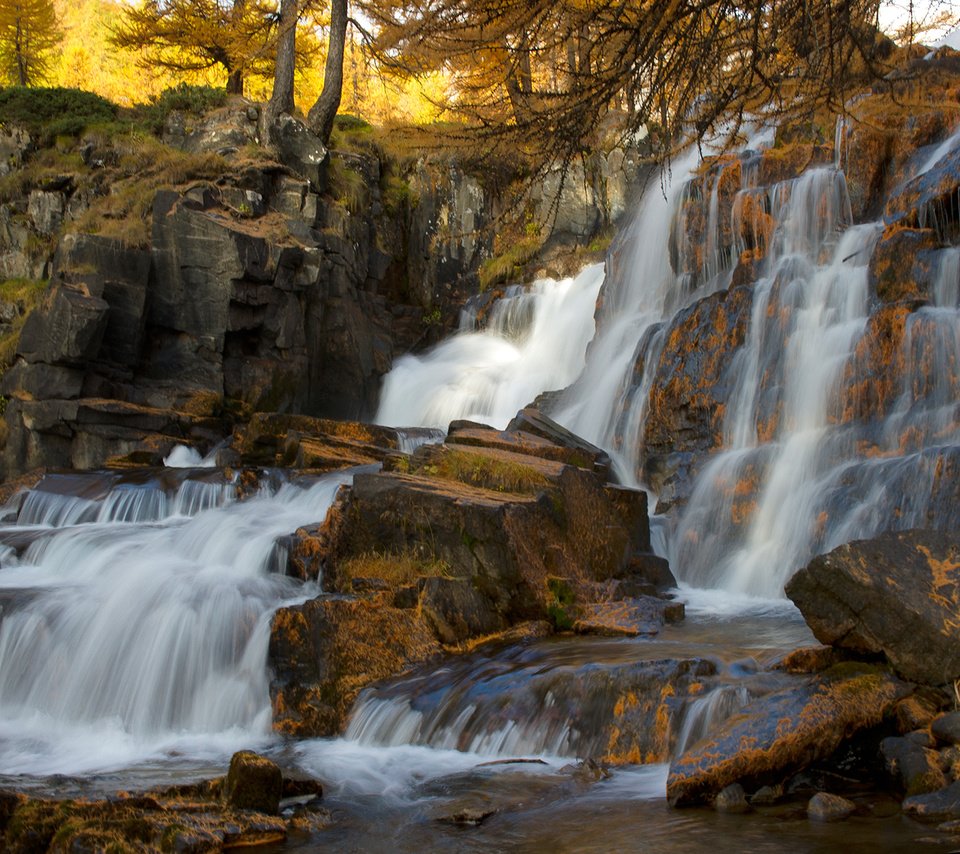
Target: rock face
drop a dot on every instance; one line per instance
(456, 542)
(783, 732)
(897, 594)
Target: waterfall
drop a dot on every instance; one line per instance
(135, 617)
(806, 458)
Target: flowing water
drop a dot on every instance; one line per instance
(135, 609)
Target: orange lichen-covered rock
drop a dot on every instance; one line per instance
(897, 594)
(783, 732)
(324, 651)
(904, 263)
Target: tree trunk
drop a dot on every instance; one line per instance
(323, 113)
(22, 77)
(281, 101)
(234, 82)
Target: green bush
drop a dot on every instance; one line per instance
(184, 98)
(53, 112)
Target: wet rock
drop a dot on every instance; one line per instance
(533, 422)
(324, 651)
(824, 806)
(253, 783)
(946, 728)
(942, 805)
(916, 768)
(691, 383)
(626, 618)
(469, 816)
(766, 796)
(930, 198)
(903, 264)
(896, 594)
(812, 659)
(918, 710)
(731, 799)
(779, 734)
(457, 610)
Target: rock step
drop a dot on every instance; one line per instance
(529, 444)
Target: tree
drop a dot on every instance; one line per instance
(29, 31)
(324, 111)
(281, 101)
(237, 36)
(549, 76)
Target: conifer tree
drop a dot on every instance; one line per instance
(29, 32)
(237, 36)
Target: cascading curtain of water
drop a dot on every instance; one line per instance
(815, 477)
(138, 631)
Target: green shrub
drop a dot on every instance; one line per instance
(53, 112)
(183, 98)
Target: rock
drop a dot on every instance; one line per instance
(456, 610)
(826, 807)
(916, 768)
(766, 796)
(812, 659)
(904, 264)
(691, 383)
(470, 816)
(918, 710)
(927, 198)
(324, 651)
(942, 805)
(46, 211)
(897, 594)
(253, 783)
(300, 149)
(783, 732)
(950, 762)
(731, 799)
(626, 618)
(532, 422)
(946, 728)
(67, 328)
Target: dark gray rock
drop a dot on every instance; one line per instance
(824, 806)
(301, 150)
(916, 768)
(897, 594)
(942, 805)
(731, 799)
(67, 329)
(946, 728)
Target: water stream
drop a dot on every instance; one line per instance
(135, 609)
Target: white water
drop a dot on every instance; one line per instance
(798, 472)
(534, 342)
(123, 641)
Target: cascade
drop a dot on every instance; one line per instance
(803, 463)
(136, 617)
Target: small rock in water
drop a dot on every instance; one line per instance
(826, 807)
(732, 799)
(469, 816)
(253, 783)
(766, 795)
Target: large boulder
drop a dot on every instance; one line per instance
(324, 651)
(897, 594)
(783, 732)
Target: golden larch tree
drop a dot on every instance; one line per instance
(29, 32)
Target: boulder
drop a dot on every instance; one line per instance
(253, 783)
(942, 805)
(896, 594)
(301, 149)
(916, 768)
(324, 651)
(731, 799)
(66, 329)
(783, 732)
(946, 728)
